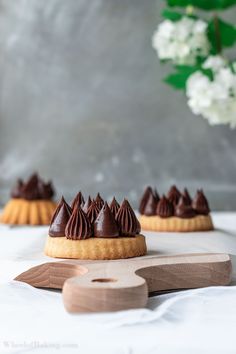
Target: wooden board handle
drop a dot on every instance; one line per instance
(120, 285)
(119, 288)
(104, 294)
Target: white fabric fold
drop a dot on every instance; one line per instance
(186, 322)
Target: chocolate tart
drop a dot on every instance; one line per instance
(97, 232)
(176, 212)
(31, 203)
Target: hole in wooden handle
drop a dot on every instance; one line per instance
(104, 280)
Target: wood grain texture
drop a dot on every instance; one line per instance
(92, 286)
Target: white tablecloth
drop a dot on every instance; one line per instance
(193, 321)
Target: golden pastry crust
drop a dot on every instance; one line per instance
(175, 224)
(27, 212)
(96, 248)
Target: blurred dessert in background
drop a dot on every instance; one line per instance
(31, 203)
(175, 212)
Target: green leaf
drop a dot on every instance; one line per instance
(208, 73)
(171, 15)
(203, 4)
(176, 16)
(221, 34)
(179, 79)
(180, 3)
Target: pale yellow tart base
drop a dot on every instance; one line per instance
(96, 248)
(27, 212)
(175, 224)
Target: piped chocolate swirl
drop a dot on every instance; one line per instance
(99, 201)
(200, 203)
(165, 208)
(126, 220)
(105, 225)
(60, 219)
(93, 212)
(87, 204)
(114, 206)
(77, 201)
(184, 210)
(149, 208)
(174, 195)
(78, 226)
(144, 199)
(187, 198)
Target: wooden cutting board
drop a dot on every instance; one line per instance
(94, 286)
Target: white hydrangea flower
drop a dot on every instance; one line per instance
(181, 41)
(214, 62)
(214, 100)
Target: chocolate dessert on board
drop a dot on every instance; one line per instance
(92, 229)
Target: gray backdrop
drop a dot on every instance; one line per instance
(82, 102)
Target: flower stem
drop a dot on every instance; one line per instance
(217, 34)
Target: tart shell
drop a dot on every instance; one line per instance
(28, 212)
(96, 248)
(175, 224)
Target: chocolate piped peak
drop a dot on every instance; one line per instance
(151, 204)
(184, 210)
(105, 225)
(165, 208)
(156, 195)
(200, 203)
(87, 204)
(78, 226)
(174, 195)
(17, 189)
(99, 201)
(127, 221)
(30, 189)
(46, 189)
(77, 201)
(33, 189)
(186, 195)
(144, 199)
(93, 212)
(60, 219)
(114, 206)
